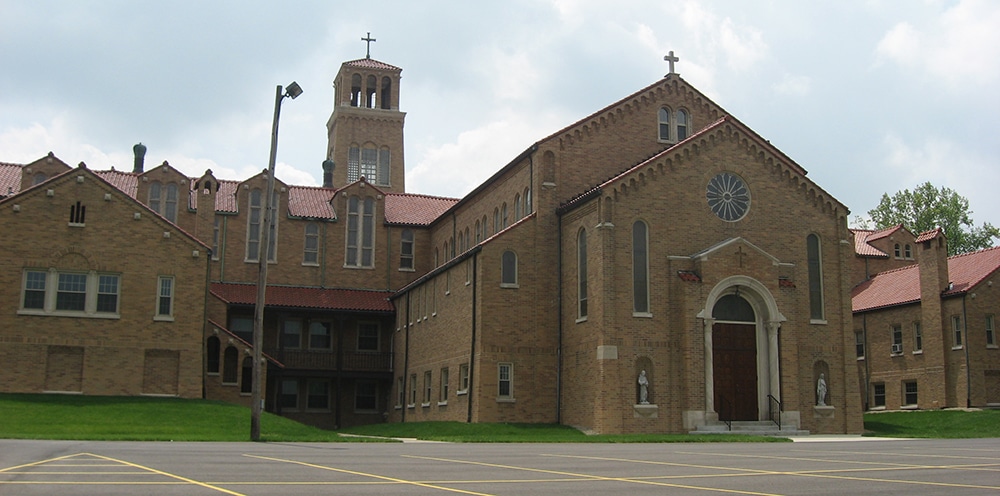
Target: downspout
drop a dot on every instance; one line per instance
(204, 321)
(559, 313)
(406, 359)
(864, 341)
(472, 347)
(968, 371)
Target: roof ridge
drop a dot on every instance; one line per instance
(421, 195)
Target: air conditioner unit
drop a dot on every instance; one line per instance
(897, 349)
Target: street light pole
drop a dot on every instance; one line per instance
(263, 253)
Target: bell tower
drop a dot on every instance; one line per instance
(365, 130)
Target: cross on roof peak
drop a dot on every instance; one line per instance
(670, 58)
(368, 50)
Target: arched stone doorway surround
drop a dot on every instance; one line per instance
(768, 321)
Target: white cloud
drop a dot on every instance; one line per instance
(740, 46)
(944, 163)
(960, 44)
(793, 85)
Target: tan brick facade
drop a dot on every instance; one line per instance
(479, 318)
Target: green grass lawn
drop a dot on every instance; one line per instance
(77, 417)
(51, 416)
(950, 424)
(460, 432)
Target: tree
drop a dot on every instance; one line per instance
(926, 208)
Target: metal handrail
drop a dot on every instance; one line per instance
(727, 408)
(774, 410)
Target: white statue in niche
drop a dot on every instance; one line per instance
(821, 391)
(643, 388)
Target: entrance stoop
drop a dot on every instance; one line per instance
(750, 427)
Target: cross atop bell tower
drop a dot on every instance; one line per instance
(365, 130)
(368, 45)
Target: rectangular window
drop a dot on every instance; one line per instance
(401, 392)
(253, 226)
(242, 327)
(291, 334)
(165, 298)
(107, 293)
(463, 378)
(991, 337)
(918, 337)
(508, 270)
(581, 260)
(859, 344)
(897, 339)
(383, 167)
(505, 383)
(310, 251)
(413, 389)
(427, 388)
(878, 394)
(367, 336)
(215, 238)
(319, 336)
(444, 385)
(366, 396)
(289, 396)
(319, 395)
(956, 328)
(815, 266)
(910, 393)
(360, 232)
(406, 250)
(34, 289)
(369, 164)
(72, 292)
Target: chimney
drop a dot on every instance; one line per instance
(139, 151)
(328, 166)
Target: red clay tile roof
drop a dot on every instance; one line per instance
(688, 276)
(128, 182)
(902, 286)
(299, 297)
(10, 178)
(415, 210)
(863, 238)
(310, 202)
(929, 235)
(371, 64)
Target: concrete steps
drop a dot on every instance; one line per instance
(755, 428)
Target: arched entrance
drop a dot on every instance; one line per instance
(741, 322)
(734, 358)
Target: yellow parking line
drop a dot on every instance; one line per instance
(363, 474)
(590, 477)
(167, 474)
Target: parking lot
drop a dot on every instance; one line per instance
(819, 467)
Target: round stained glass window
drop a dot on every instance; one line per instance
(728, 196)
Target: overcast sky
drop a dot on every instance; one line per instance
(869, 96)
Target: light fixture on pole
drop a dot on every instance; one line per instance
(263, 254)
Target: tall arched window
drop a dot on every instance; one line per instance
(581, 265)
(371, 88)
(212, 349)
(496, 220)
(246, 377)
(517, 207)
(386, 97)
(156, 196)
(356, 90)
(170, 205)
(253, 226)
(360, 232)
(663, 116)
(508, 269)
(640, 267)
(814, 256)
(460, 245)
(681, 117)
(503, 216)
(479, 232)
(230, 365)
(527, 201)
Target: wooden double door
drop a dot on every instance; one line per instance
(734, 362)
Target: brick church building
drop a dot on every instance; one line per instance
(656, 266)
